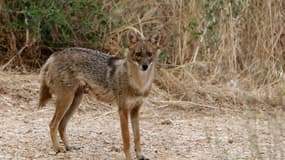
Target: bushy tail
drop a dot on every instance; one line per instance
(45, 94)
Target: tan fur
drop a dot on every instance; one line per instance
(74, 71)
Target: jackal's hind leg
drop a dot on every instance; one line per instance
(62, 126)
(63, 103)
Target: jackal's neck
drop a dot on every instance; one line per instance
(138, 79)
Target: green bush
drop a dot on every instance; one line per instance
(57, 23)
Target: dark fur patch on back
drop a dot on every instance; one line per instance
(112, 60)
(111, 63)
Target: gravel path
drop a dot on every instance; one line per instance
(168, 132)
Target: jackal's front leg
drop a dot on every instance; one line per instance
(136, 131)
(125, 131)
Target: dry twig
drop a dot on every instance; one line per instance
(27, 44)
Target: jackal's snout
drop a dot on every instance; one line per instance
(144, 67)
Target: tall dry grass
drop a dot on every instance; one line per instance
(228, 51)
(246, 63)
(219, 50)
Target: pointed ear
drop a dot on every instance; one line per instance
(132, 37)
(155, 39)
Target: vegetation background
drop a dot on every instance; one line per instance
(215, 53)
(235, 42)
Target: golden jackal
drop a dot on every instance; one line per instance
(69, 73)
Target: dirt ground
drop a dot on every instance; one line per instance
(169, 132)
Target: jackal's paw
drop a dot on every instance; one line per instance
(70, 148)
(59, 150)
(142, 157)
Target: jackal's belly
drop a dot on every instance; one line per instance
(101, 94)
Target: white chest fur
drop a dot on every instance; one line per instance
(146, 79)
(132, 102)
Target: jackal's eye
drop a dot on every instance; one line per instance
(149, 54)
(138, 54)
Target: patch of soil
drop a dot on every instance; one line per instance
(168, 132)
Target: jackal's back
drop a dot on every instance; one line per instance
(76, 66)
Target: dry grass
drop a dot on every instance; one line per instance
(248, 60)
(243, 66)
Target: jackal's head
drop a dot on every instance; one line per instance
(143, 51)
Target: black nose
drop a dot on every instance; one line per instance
(144, 67)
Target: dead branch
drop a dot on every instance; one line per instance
(28, 43)
(1, 4)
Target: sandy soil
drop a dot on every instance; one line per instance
(168, 132)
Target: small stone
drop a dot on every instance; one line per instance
(167, 122)
(230, 141)
(115, 149)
